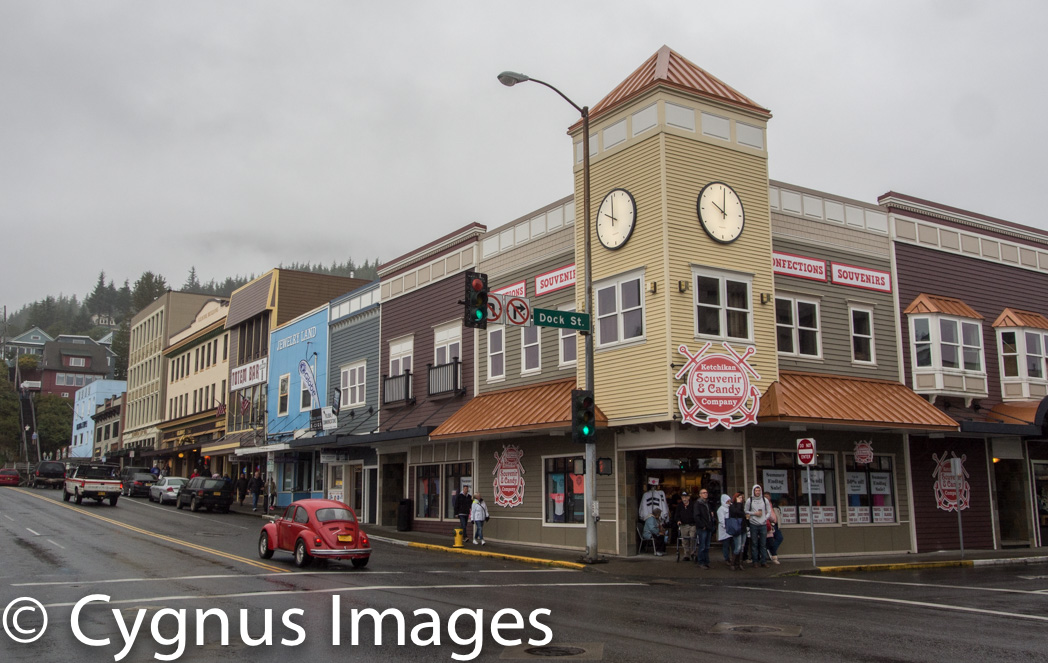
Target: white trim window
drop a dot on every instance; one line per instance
(569, 349)
(723, 305)
(400, 352)
(947, 355)
(860, 327)
(447, 343)
(797, 327)
(496, 353)
(530, 350)
(282, 394)
(1023, 361)
(620, 309)
(77, 362)
(354, 381)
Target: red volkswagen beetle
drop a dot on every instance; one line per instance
(316, 528)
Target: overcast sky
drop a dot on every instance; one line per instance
(233, 136)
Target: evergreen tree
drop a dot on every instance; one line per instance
(54, 423)
(121, 348)
(192, 283)
(147, 289)
(10, 428)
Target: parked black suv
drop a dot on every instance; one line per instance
(49, 473)
(127, 472)
(205, 493)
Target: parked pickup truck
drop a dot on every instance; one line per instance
(93, 481)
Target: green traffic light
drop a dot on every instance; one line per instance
(478, 314)
(585, 430)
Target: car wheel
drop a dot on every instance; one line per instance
(113, 499)
(65, 495)
(360, 562)
(194, 505)
(77, 497)
(302, 558)
(263, 546)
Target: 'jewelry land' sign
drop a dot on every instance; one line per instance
(718, 388)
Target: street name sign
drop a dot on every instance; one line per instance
(564, 319)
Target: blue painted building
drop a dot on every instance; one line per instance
(88, 398)
(297, 389)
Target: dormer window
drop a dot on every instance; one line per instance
(1022, 342)
(946, 348)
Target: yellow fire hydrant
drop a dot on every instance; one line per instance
(458, 539)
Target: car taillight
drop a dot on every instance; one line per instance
(38, 473)
(363, 540)
(170, 489)
(317, 541)
(200, 492)
(138, 483)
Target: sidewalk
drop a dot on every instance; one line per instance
(668, 568)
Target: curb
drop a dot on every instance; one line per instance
(482, 553)
(904, 566)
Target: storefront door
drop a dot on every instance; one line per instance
(1012, 503)
(1040, 482)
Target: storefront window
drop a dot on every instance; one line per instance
(296, 473)
(427, 491)
(456, 475)
(786, 485)
(335, 491)
(565, 501)
(870, 490)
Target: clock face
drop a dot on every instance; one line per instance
(720, 212)
(616, 217)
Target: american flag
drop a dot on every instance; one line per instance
(245, 405)
(221, 409)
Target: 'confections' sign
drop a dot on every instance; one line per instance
(803, 268)
(717, 390)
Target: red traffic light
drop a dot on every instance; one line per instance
(477, 285)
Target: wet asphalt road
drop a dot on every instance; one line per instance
(154, 561)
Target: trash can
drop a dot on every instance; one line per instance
(404, 515)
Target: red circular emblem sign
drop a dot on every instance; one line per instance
(806, 451)
(719, 385)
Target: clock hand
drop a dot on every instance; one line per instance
(719, 208)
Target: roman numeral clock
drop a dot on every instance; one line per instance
(720, 212)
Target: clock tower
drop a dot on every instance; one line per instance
(681, 250)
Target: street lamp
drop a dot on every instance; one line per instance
(509, 79)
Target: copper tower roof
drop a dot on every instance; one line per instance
(667, 67)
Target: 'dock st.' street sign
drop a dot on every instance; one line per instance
(564, 319)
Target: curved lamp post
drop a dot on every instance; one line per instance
(509, 79)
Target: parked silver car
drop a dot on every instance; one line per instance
(167, 489)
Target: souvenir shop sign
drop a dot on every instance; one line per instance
(952, 492)
(863, 453)
(508, 485)
(717, 389)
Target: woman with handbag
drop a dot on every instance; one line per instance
(735, 525)
(774, 535)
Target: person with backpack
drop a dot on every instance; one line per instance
(722, 534)
(758, 510)
(479, 515)
(254, 486)
(735, 525)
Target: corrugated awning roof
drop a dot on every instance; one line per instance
(671, 68)
(1013, 317)
(925, 303)
(540, 407)
(846, 401)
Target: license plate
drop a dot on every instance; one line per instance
(218, 494)
(345, 538)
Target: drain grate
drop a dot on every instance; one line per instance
(756, 629)
(579, 651)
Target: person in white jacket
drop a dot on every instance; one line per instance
(722, 534)
(478, 513)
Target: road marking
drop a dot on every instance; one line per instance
(35, 533)
(52, 541)
(9, 517)
(927, 584)
(918, 604)
(128, 500)
(161, 537)
(263, 575)
(282, 574)
(338, 590)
